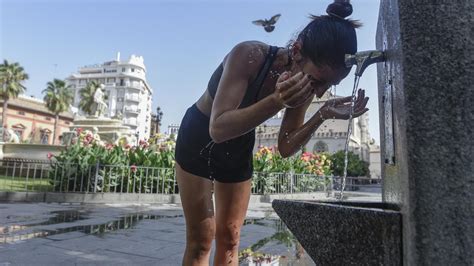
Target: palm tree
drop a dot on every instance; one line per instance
(87, 97)
(11, 78)
(58, 98)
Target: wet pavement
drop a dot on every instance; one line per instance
(127, 234)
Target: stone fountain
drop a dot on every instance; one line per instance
(427, 147)
(109, 129)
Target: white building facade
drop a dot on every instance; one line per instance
(128, 95)
(375, 166)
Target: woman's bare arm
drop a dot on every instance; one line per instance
(293, 133)
(227, 121)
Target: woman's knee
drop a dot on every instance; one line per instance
(200, 238)
(228, 236)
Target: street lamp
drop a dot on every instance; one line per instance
(159, 116)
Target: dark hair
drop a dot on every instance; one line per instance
(328, 38)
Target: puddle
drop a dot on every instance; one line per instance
(280, 248)
(13, 233)
(59, 217)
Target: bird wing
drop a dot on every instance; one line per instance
(275, 18)
(259, 22)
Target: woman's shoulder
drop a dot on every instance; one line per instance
(251, 45)
(249, 54)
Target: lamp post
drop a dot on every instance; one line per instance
(159, 116)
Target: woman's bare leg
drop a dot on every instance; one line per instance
(232, 201)
(196, 198)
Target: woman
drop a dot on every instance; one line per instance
(217, 134)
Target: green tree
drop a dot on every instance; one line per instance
(58, 98)
(355, 166)
(11, 77)
(87, 97)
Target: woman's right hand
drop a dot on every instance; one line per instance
(293, 91)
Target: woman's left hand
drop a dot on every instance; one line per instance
(340, 108)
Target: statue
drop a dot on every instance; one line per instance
(11, 136)
(95, 133)
(100, 105)
(118, 115)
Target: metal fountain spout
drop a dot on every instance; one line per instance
(363, 59)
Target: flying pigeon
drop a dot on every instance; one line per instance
(268, 25)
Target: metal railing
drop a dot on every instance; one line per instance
(288, 183)
(44, 176)
(360, 184)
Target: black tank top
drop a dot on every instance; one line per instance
(254, 88)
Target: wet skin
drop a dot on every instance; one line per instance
(287, 86)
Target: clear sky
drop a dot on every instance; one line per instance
(181, 41)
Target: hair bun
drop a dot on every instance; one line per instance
(340, 9)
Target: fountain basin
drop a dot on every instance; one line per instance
(24, 151)
(345, 233)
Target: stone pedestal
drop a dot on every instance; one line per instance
(426, 100)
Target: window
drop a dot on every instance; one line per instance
(19, 129)
(121, 82)
(44, 136)
(21, 113)
(123, 69)
(67, 123)
(48, 118)
(133, 69)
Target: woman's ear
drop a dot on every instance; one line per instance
(296, 52)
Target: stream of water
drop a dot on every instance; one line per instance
(349, 132)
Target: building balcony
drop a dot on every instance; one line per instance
(132, 110)
(132, 98)
(129, 85)
(130, 122)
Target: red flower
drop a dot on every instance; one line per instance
(50, 155)
(109, 146)
(79, 130)
(133, 168)
(143, 143)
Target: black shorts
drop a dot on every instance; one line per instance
(227, 162)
